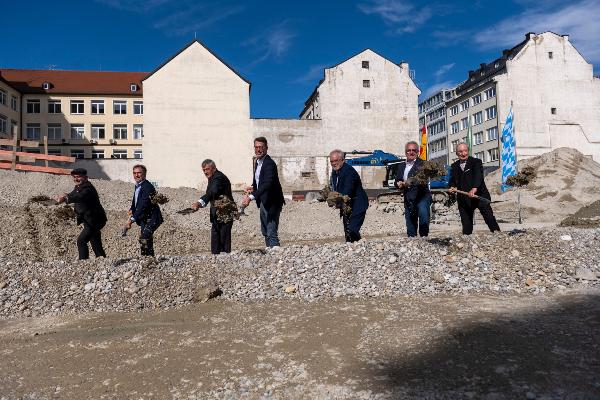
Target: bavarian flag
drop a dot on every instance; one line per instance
(509, 151)
(423, 148)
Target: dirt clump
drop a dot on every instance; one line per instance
(522, 178)
(586, 217)
(226, 210)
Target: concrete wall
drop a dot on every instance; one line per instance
(392, 119)
(197, 108)
(536, 83)
(112, 169)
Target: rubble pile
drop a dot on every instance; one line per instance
(534, 261)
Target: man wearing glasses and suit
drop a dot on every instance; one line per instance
(417, 197)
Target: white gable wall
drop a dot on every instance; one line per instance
(196, 108)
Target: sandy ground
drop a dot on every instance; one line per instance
(419, 347)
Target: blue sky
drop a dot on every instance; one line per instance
(283, 46)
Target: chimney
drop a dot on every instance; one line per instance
(529, 35)
(566, 37)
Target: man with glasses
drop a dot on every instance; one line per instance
(266, 191)
(417, 197)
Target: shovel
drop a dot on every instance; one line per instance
(186, 211)
(475, 196)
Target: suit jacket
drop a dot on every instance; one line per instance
(218, 185)
(87, 205)
(413, 193)
(144, 211)
(347, 181)
(268, 191)
(471, 177)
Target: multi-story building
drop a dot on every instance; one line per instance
(84, 114)
(432, 113)
(10, 117)
(553, 94)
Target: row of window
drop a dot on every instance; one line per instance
(33, 131)
(78, 107)
(4, 100)
(438, 145)
(477, 118)
(464, 105)
(80, 153)
(438, 127)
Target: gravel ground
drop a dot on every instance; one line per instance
(536, 261)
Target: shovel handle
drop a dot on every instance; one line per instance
(475, 196)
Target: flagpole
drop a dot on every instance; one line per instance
(516, 166)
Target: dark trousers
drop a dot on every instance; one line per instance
(416, 213)
(93, 236)
(269, 224)
(467, 212)
(147, 238)
(352, 225)
(220, 237)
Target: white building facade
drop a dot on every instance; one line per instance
(553, 93)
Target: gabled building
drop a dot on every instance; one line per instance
(553, 93)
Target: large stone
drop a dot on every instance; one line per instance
(206, 292)
(585, 274)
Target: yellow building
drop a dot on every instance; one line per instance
(84, 114)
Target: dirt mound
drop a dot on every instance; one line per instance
(586, 217)
(565, 180)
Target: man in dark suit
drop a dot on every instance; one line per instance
(218, 185)
(346, 181)
(417, 197)
(89, 213)
(143, 212)
(266, 191)
(467, 175)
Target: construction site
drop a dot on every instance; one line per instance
(513, 314)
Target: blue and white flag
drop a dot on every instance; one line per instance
(509, 156)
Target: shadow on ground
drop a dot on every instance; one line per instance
(553, 352)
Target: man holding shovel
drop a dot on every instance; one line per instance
(467, 176)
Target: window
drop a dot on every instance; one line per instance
(366, 83)
(454, 110)
(138, 131)
(492, 133)
(77, 107)
(478, 138)
(133, 87)
(550, 55)
(493, 154)
(454, 128)
(98, 132)
(13, 103)
(490, 113)
(97, 153)
(478, 118)
(464, 123)
(77, 131)
(464, 105)
(367, 105)
(54, 107)
(54, 131)
(119, 107)
(365, 64)
(119, 154)
(54, 152)
(454, 144)
(33, 106)
(479, 155)
(477, 99)
(77, 153)
(553, 110)
(137, 154)
(3, 125)
(119, 131)
(2, 96)
(138, 107)
(33, 131)
(97, 106)
(489, 93)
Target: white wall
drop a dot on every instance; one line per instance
(196, 108)
(535, 83)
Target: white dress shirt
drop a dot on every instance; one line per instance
(259, 164)
(407, 169)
